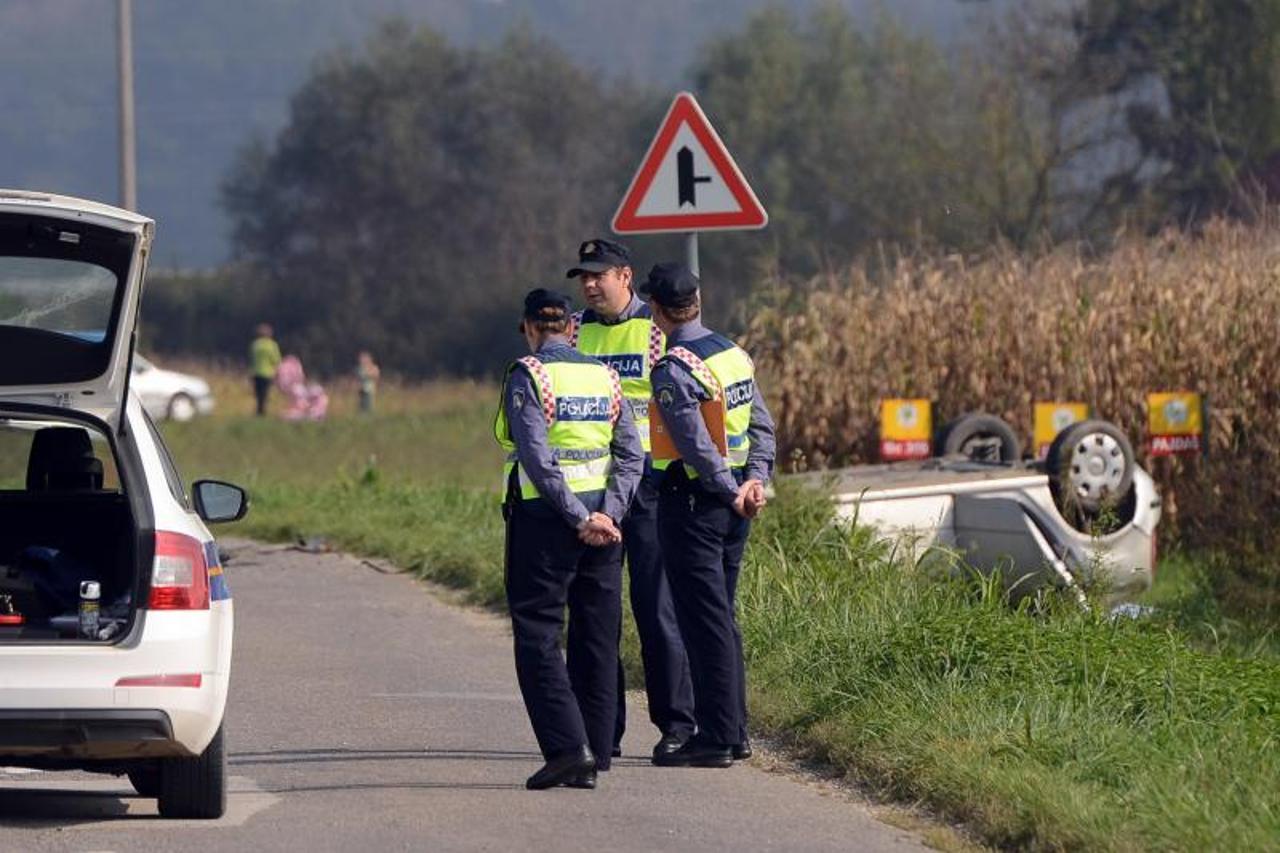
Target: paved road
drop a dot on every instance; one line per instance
(368, 714)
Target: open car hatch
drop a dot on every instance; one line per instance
(71, 274)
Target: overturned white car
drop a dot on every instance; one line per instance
(1086, 515)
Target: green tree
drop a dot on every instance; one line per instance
(419, 189)
(1200, 87)
(856, 139)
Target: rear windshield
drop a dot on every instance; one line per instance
(60, 295)
(65, 297)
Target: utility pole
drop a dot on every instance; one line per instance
(128, 143)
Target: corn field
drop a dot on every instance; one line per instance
(1173, 312)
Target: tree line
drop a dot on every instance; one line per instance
(419, 188)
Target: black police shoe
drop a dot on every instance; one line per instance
(563, 769)
(617, 752)
(669, 744)
(583, 780)
(742, 751)
(697, 753)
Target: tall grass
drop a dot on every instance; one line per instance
(1176, 312)
(434, 433)
(1059, 730)
(1051, 731)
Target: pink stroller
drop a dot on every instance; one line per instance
(307, 401)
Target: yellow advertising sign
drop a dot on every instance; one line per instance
(1174, 413)
(905, 429)
(1053, 418)
(1175, 420)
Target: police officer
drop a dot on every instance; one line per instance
(573, 463)
(707, 497)
(618, 329)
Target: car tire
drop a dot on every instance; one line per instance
(1090, 466)
(195, 787)
(181, 408)
(145, 778)
(980, 437)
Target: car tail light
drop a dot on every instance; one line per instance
(193, 679)
(179, 576)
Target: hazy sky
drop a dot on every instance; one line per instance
(212, 73)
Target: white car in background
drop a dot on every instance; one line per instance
(135, 682)
(168, 394)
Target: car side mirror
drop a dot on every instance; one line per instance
(217, 501)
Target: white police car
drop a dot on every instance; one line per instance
(135, 681)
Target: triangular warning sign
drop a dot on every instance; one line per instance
(687, 181)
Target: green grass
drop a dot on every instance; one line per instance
(446, 438)
(1052, 730)
(1056, 730)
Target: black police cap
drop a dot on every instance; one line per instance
(600, 256)
(541, 302)
(671, 284)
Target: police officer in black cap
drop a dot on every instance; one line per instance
(573, 463)
(720, 455)
(618, 329)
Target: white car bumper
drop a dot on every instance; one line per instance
(71, 692)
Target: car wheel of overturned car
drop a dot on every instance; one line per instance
(1090, 466)
(195, 787)
(980, 437)
(181, 408)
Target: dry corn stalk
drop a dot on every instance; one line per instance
(1174, 312)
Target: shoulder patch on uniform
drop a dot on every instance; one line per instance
(517, 399)
(666, 395)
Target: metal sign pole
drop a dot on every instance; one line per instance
(691, 252)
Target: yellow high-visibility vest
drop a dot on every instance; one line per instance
(580, 401)
(727, 373)
(631, 348)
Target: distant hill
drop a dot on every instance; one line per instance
(210, 74)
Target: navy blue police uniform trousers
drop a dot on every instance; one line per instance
(571, 698)
(666, 668)
(703, 540)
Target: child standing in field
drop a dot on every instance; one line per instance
(368, 373)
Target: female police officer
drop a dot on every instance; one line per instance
(574, 460)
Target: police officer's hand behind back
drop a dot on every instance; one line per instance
(750, 499)
(598, 529)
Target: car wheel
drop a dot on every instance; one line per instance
(1090, 466)
(145, 778)
(980, 437)
(195, 787)
(181, 408)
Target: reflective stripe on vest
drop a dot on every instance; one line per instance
(729, 372)
(580, 403)
(631, 348)
(574, 472)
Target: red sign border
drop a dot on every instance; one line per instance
(685, 110)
